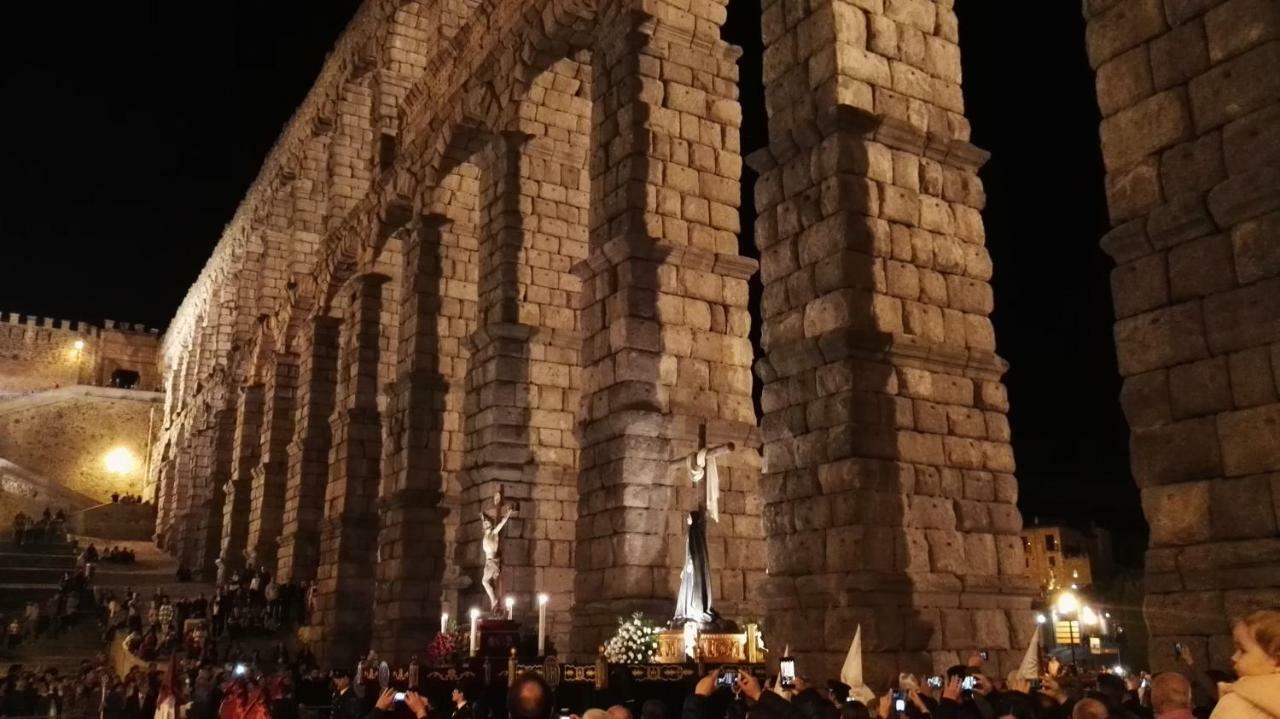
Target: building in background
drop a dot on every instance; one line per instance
(1058, 557)
(42, 353)
(79, 408)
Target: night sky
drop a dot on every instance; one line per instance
(132, 131)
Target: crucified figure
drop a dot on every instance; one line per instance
(491, 544)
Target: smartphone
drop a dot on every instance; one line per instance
(787, 673)
(968, 683)
(241, 670)
(727, 678)
(399, 696)
(899, 701)
(935, 682)
(986, 656)
(1036, 685)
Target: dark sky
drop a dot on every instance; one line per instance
(132, 130)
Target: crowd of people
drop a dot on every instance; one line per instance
(232, 690)
(208, 628)
(116, 497)
(75, 594)
(48, 527)
(211, 675)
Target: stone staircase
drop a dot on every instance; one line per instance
(31, 574)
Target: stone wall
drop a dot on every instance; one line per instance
(119, 521)
(1190, 97)
(64, 436)
(496, 247)
(40, 353)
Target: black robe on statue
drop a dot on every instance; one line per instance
(693, 604)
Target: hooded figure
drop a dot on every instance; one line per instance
(693, 603)
(851, 672)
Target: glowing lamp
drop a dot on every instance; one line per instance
(120, 461)
(1067, 603)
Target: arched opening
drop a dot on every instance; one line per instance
(125, 378)
(524, 385)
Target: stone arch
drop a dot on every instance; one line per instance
(438, 316)
(524, 385)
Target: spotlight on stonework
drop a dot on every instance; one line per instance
(1068, 603)
(79, 345)
(120, 461)
(1040, 619)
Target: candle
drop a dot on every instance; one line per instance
(542, 624)
(475, 630)
(510, 603)
(444, 622)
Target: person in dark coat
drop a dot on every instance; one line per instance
(345, 703)
(461, 705)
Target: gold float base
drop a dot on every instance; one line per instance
(711, 648)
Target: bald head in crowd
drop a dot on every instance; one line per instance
(1170, 692)
(1089, 709)
(529, 698)
(617, 711)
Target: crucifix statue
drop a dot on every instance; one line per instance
(694, 603)
(491, 544)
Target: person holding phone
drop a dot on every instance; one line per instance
(391, 698)
(744, 684)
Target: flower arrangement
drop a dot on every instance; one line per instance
(448, 648)
(635, 642)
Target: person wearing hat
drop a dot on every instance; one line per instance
(346, 705)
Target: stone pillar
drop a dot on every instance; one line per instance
(235, 518)
(204, 540)
(349, 530)
(419, 486)
(1190, 98)
(270, 477)
(308, 452)
(664, 319)
(889, 490)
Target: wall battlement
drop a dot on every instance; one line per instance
(39, 353)
(78, 326)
